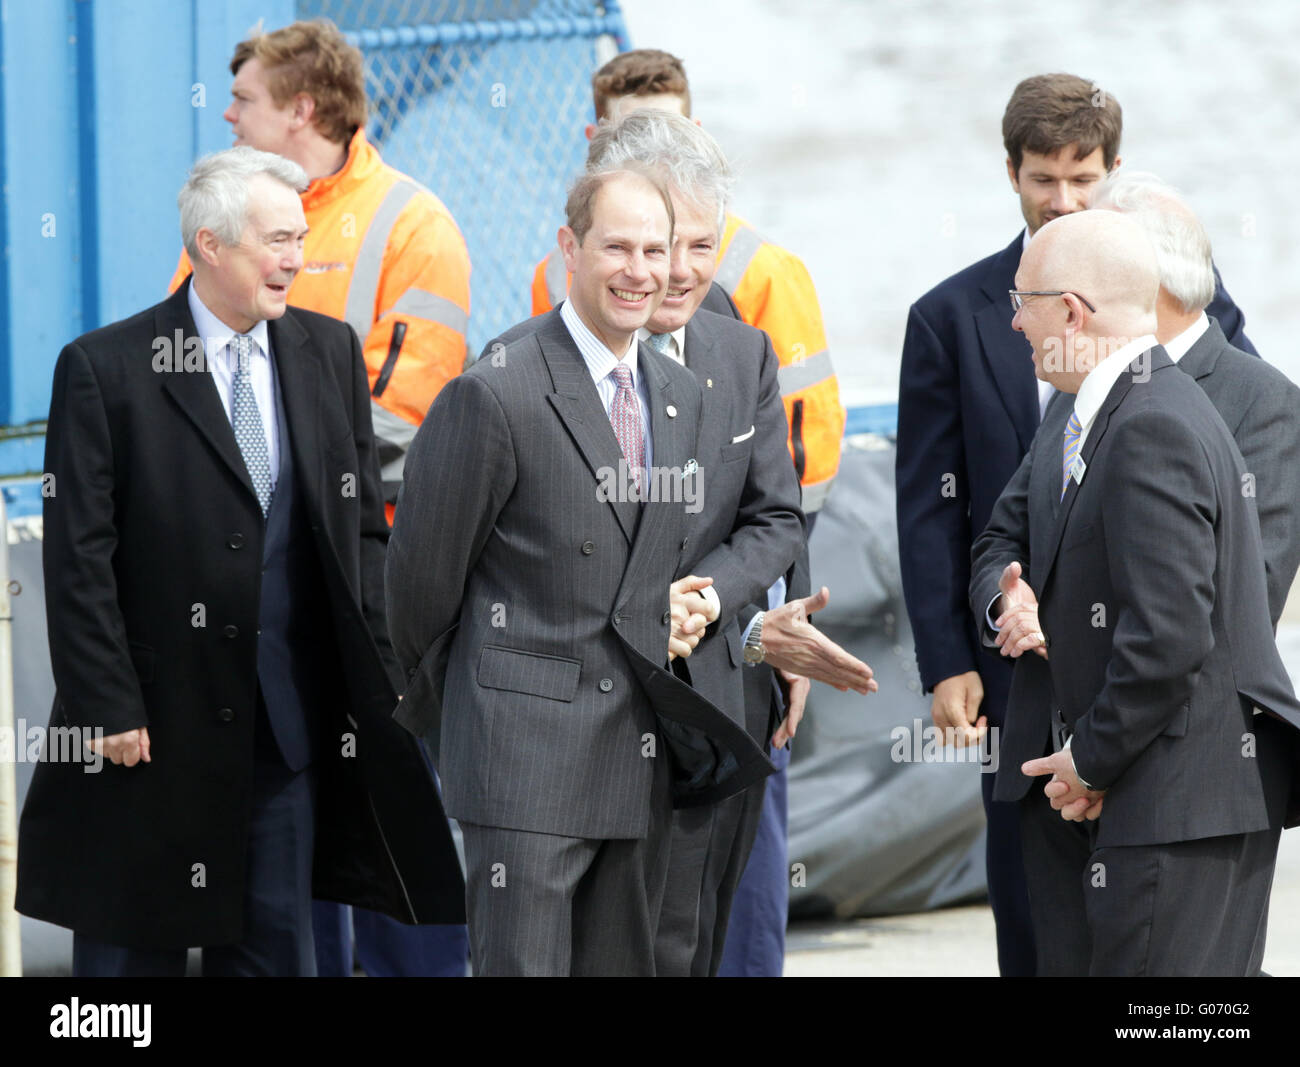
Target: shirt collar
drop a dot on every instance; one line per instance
(599, 359)
(215, 333)
(1097, 385)
(1179, 346)
(678, 335)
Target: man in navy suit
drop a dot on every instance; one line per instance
(968, 406)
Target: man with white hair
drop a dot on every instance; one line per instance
(214, 552)
(1132, 569)
(1259, 403)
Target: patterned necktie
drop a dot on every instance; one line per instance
(662, 343)
(625, 414)
(247, 422)
(1072, 431)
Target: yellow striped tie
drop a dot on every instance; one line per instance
(1072, 431)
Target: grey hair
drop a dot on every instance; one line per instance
(1181, 244)
(689, 159)
(215, 195)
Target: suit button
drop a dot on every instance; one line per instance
(236, 540)
(231, 631)
(588, 547)
(226, 714)
(668, 617)
(606, 684)
(619, 617)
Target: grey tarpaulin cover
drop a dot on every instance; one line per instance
(874, 836)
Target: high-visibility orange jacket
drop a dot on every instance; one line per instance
(384, 254)
(773, 292)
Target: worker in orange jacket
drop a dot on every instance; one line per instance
(770, 285)
(382, 252)
(385, 255)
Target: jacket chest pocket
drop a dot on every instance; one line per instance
(531, 673)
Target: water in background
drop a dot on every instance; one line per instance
(868, 137)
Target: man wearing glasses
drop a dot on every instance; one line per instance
(1126, 555)
(968, 407)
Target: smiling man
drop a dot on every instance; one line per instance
(968, 407)
(213, 556)
(534, 613)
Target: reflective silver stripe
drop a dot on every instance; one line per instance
(735, 261)
(802, 373)
(426, 305)
(393, 436)
(360, 313)
(557, 278)
(814, 495)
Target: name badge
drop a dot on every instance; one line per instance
(1078, 469)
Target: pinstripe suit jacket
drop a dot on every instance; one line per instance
(531, 612)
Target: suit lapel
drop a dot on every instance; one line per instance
(673, 444)
(579, 407)
(702, 361)
(195, 393)
(1200, 360)
(299, 378)
(1005, 351)
(1096, 435)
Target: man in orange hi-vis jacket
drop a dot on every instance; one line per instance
(770, 286)
(384, 254)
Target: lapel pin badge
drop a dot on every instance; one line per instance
(691, 467)
(708, 382)
(672, 411)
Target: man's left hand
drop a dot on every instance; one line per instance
(794, 687)
(1065, 792)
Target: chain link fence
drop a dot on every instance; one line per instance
(484, 101)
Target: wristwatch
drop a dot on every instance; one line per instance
(754, 650)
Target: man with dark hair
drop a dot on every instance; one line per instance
(968, 406)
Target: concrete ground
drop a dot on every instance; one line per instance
(958, 942)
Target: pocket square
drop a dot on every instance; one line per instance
(743, 437)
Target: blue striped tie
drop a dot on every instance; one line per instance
(1072, 431)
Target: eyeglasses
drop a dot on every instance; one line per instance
(1018, 297)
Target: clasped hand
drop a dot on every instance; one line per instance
(691, 614)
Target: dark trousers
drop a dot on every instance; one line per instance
(755, 932)
(277, 938)
(385, 948)
(544, 904)
(709, 852)
(1008, 893)
(1184, 908)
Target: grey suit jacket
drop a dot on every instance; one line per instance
(531, 612)
(1261, 407)
(1152, 592)
(750, 528)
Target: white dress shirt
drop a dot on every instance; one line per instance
(222, 361)
(601, 363)
(1179, 346)
(676, 349)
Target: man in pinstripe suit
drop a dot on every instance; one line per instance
(531, 608)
